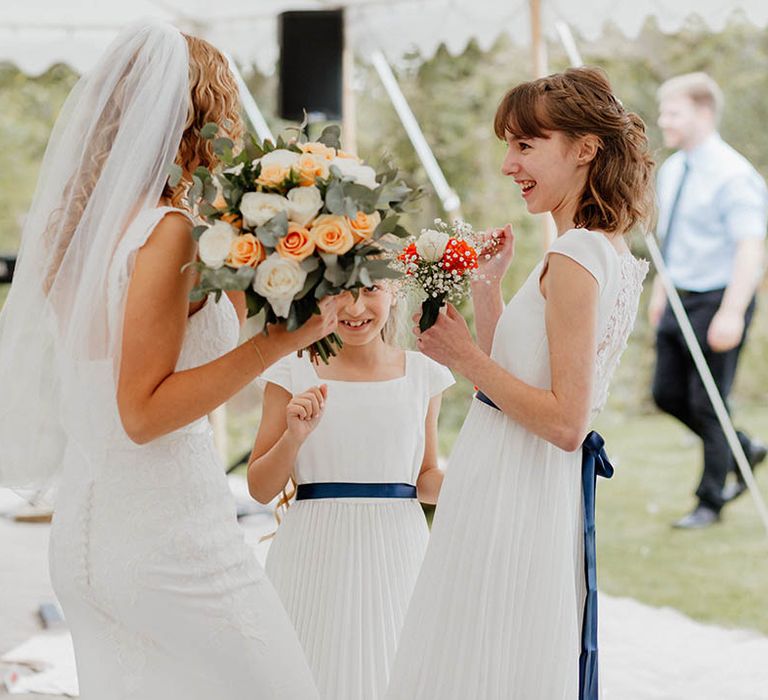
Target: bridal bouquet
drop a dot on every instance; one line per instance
(440, 263)
(292, 222)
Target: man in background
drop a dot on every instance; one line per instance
(713, 210)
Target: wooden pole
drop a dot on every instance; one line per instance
(548, 232)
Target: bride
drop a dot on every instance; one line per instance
(107, 373)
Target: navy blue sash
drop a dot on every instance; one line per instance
(594, 463)
(345, 489)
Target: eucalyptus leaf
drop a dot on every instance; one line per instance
(222, 147)
(312, 279)
(209, 130)
(198, 231)
(174, 174)
(331, 137)
(273, 230)
(310, 264)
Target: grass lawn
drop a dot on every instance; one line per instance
(717, 575)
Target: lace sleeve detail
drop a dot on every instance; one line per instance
(619, 326)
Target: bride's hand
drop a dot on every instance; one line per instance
(495, 255)
(316, 327)
(304, 412)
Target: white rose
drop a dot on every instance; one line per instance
(361, 174)
(281, 158)
(431, 245)
(215, 243)
(303, 204)
(259, 207)
(279, 280)
(235, 169)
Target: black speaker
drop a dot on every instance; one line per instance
(311, 47)
(7, 264)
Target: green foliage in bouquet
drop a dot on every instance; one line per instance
(291, 222)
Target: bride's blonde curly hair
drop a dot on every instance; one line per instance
(213, 97)
(619, 191)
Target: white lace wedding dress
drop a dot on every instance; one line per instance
(164, 599)
(497, 609)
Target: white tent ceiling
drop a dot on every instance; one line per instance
(35, 34)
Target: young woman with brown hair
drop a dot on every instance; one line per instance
(499, 607)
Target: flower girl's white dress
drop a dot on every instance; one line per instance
(497, 609)
(345, 567)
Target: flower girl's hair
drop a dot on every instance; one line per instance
(619, 189)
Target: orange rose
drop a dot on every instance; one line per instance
(351, 156)
(310, 167)
(272, 175)
(297, 244)
(318, 149)
(363, 225)
(220, 203)
(246, 250)
(233, 220)
(332, 234)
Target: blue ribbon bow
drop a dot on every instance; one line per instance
(594, 463)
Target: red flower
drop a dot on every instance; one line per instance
(459, 256)
(409, 255)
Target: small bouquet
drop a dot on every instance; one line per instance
(440, 262)
(292, 222)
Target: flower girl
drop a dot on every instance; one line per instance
(358, 437)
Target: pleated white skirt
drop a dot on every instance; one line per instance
(496, 612)
(345, 570)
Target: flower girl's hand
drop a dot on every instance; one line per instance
(496, 253)
(304, 412)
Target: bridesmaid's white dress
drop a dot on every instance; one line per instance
(164, 599)
(496, 612)
(345, 568)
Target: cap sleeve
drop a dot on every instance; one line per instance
(585, 248)
(280, 373)
(439, 377)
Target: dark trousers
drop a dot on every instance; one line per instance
(678, 390)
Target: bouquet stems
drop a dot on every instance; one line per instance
(430, 310)
(324, 348)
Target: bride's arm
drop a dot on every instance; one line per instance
(153, 399)
(561, 414)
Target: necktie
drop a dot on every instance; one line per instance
(673, 210)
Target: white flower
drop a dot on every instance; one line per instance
(280, 158)
(259, 207)
(303, 204)
(235, 169)
(431, 245)
(215, 243)
(352, 170)
(279, 280)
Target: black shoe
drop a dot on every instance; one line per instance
(733, 490)
(756, 452)
(701, 517)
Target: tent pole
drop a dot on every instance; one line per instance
(449, 198)
(724, 418)
(548, 230)
(250, 107)
(708, 380)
